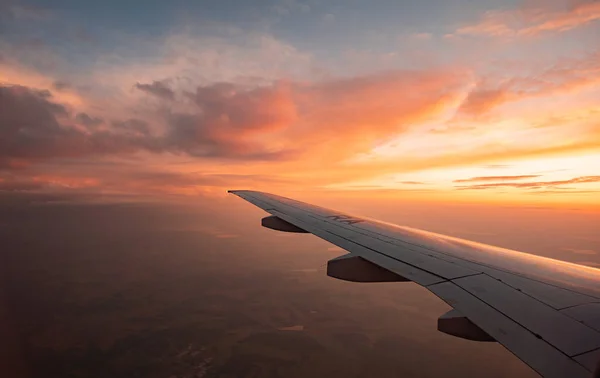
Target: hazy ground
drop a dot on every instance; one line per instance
(201, 290)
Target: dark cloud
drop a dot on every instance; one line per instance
(133, 125)
(32, 126)
(158, 89)
(275, 121)
(497, 178)
(232, 108)
(28, 123)
(228, 120)
(87, 120)
(551, 185)
(194, 135)
(21, 185)
(125, 178)
(59, 85)
(177, 179)
(30, 129)
(334, 118)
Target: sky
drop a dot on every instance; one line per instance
(436, 101)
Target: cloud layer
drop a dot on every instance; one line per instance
(531, 21)
(230, 120)
(218, 104)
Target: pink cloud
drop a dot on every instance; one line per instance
(232, 121)
(482, 100)
(554, 185)
(497, 178)
(566, 76)
(533, 21)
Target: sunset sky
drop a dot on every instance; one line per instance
(445, 100)
(124, 123)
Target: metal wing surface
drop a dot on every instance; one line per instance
(545, 311)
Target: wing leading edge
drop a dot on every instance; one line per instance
(545, 311)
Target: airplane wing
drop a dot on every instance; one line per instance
(545, 311)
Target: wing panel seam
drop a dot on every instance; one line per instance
(586, 352)
(506, 316)
(303, 225)
(459, 258)
(522, 325)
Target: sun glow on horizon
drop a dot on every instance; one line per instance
(570, 178)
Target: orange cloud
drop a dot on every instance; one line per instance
(341, 118)
(578, 15)
(497, 178)
(480, 101)
(227, 110)
(532, 185)
(246, 110)
(233, 121)
(568, 76)
(265, 134)
(341, 173)
(533, 21)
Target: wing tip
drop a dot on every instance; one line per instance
(236, 191)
